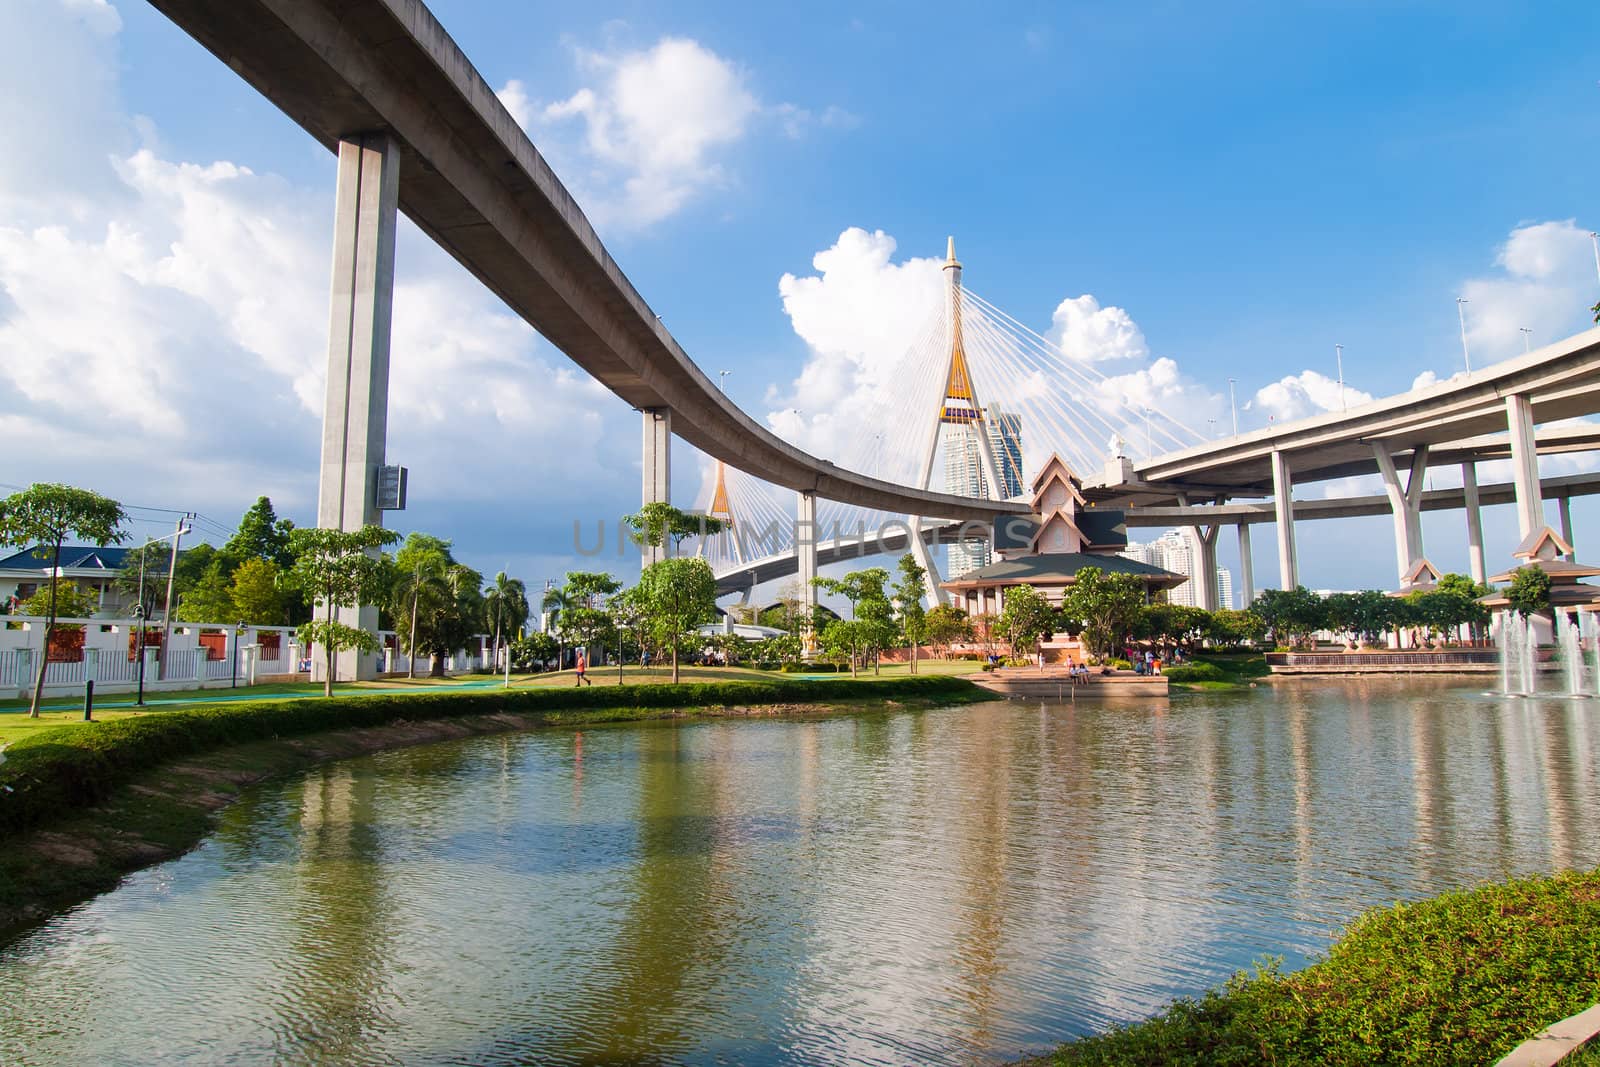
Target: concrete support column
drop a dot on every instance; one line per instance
(1283, 507)
(657, 467)
(1565, 504)
(1247, 566)
(805, 547)
(1524, 465)
(1469, 493)
(930, 568)
(356, 414)
(1405, 501)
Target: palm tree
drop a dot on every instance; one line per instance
(556, 602)
(505, 602)
(425, 581)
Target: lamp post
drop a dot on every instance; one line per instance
(1594, 241)
(238, 632)
(138, 643)
(1462, 315)
(722, 380)
(1338, 355)
(1527, 339)
(1233, 404)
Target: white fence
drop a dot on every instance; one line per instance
(198, 655)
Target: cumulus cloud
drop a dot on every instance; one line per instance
(653, 122)
(1545, 283)
(1086, 331)
(1295, 396)
(164, 338)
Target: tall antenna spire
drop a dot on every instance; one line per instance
(958, 381)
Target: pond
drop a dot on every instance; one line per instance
(938, 886)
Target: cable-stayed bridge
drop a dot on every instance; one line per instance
(417, 129)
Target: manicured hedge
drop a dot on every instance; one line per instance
(1195, 672)
(1459, 979)
(55, 770)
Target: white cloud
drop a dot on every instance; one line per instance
(653, 123)
(1297, 396)
(1546, 283)
(164, 341)
(1086, 331)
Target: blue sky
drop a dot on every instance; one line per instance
(1250, 183)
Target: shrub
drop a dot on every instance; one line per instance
(74, 766)
(1119, 664)
(987, 666)
(1195, 672)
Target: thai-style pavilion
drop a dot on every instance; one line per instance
(1065, 535)
(1550, 552)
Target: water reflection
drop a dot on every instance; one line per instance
(932, 887)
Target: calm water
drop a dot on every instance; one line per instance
(902, 887)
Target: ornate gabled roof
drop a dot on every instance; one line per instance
(1062, 517)
(1055, 469)
(1420, 572)
(1542, 541)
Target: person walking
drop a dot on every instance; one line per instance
(581, 664)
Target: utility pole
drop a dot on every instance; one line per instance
(1462, 315)
(1233, 403)
(172, 574)
(1338, 355)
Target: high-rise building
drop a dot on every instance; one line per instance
(1172, 551)
(963, 476)
(1005, 441)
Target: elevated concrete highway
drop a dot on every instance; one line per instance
(469, 177)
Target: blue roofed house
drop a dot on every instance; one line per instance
(24, 573)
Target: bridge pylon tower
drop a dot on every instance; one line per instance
(960, 420)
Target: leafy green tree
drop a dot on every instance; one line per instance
(257, 593)
(73, 601)
(1476, 616)
(1107, 606)
(211, 599)
(871, 615)
(1529, 591)
(946, 626)
(261, 535)
(42, 517)
(584, 621)
(659, 523)
(629, 615)
(338, 569)
(536, 649)
(419, 584)
(679, 595)
(450, 615)
(505, 603)
(1026, 618)
(908, 599)
(1290, 614)
(1233, 628)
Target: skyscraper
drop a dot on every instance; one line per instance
(1005, 442)
(1172, 551)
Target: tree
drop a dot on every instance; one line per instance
(258, 594)
(73, 601)
(870, 613)
(211, 599)
(1290, 614)
(627, 611)
(908, 598)
(584, 621)
(420, 565)
(1107, 606)
(505, 603)
(1475, 617)
(658, 523)
(536, 649)
(338, 569)
(945, 626)
(42, 517)
(1233, 628)
(1026, 618)
(1529, 591)
(679, 595)
(261, 535)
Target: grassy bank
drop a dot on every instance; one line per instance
(81, 805)
(1219, 670)
(1459, 979)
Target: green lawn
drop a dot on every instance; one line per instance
(15, 723)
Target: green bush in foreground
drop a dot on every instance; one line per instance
(1195, 672)
(1459, 979)
(55, 770)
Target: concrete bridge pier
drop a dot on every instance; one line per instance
(805, 548)
(657, 467)
(925, 560)
(1283, 509)
(355, 418)
(1524, 464)
(1469, 499)
(1405, 501)
(1247, 567)
(1565, 504)
(1203, 557)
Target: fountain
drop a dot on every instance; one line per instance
(1518, 648)
(1569, 641)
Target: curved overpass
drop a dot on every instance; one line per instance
(471, 179)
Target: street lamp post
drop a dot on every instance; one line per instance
(238, 631)
(1461, 314)
(1594, 241)
(1338, 355)
(138, 641)
(1233, 405)
(1527, 339)
(722, 380)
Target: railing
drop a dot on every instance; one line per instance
(11, 668)
(114, 668)
(69, 673)
(1383, 659)
(184, 665)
